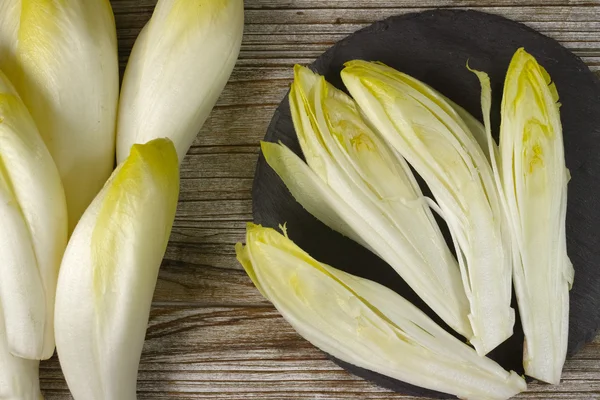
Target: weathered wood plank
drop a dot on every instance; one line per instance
(214, 210)
(141, 7)
(334, 4)
(252, 353)
(236, 126)
(555, 14)
(211, 334)
(205, 286)
(238, 188)
(217, 162)
(282, 21)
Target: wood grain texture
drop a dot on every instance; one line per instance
(211, 334)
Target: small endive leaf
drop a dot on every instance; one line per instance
(19, 377)
(33, 234)
(62, 58)
(366, 324)
(535, 181)
(422, 126)
(177, 69)
(109, 272)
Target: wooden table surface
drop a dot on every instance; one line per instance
(211, 334)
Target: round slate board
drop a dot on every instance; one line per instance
(434, 46)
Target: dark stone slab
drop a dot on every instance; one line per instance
(434, 46)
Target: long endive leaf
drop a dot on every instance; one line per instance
(178, 67)
(109, 272)
(33, 230)
(366, 324)
(534, 179)
(62, 58)
(437, 142)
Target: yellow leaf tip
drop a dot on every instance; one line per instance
(266, 147)
(299, 69)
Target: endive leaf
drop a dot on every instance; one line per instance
(365, 324)
(432, 136)
(313, 193)
(178, 67)
(535, 184)
(33, 233)
(62, 58)
(18, 377)
(109, 272)
(487, 142)
(360, 187)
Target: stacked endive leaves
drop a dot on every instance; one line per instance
(360, 187)
(427, 131)
(494, 199)
(58, 129)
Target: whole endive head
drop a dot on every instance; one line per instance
(178, 67)
(109, 272)
(62, 58)
(366, 324)
(33, 231)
